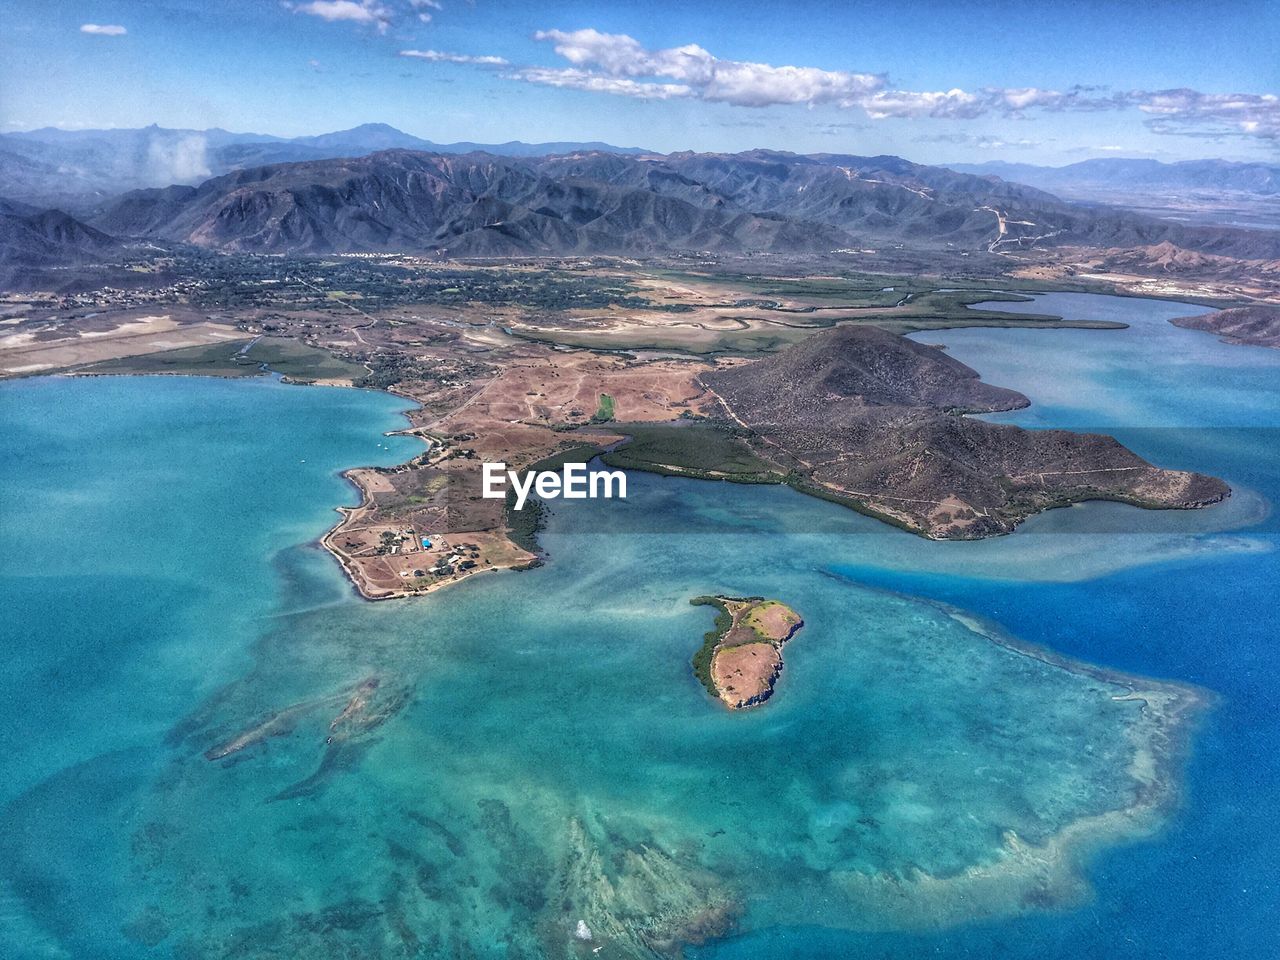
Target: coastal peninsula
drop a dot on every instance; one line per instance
(878, 423)
(1257, 324)
(740, 660)
(423, 525)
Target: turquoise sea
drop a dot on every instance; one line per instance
(504, 767)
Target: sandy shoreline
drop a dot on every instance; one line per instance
(362, 584)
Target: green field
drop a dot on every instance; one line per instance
(604, 412)
(702, 450)
(229, 359)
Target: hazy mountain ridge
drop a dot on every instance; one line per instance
(31, 235)
(1210, 192)
(581, 200)
(75, 169)
(474, 204)
(1114, 173)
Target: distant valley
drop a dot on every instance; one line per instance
(1191, 191)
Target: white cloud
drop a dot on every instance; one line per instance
(1191, 113)
(1079, 97)
(605, 61)
(441, 56)
(952, 104)
(981, 141)
(619, 64)
(354, 11)
(422, 5)
(103, 29)
(572, 79)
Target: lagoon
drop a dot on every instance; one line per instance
(536, 751)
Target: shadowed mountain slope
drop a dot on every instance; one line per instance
(33, 240)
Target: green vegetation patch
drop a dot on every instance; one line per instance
(710, 640)
(208, 360)
(705, 451)
(230, 358)
(784, 328)
(604, 412)
(523, 525)
(297, 361)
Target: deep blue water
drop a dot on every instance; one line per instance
(1208, 888)
(541, 731)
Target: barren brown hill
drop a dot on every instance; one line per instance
(1257, 324)
(875, 420)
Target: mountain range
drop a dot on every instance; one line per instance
(536, 199)
(479, 204)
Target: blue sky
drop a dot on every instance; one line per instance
(1028, 81)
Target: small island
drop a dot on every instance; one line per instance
(741, 657)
